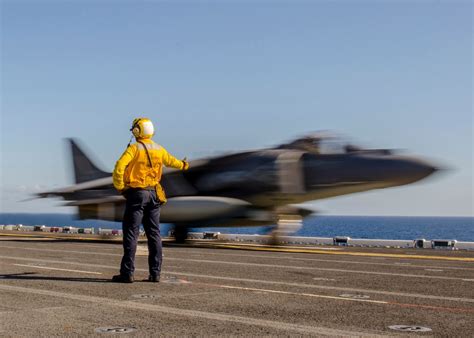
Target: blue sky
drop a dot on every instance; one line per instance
(233, 75)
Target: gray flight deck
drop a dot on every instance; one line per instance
(51, 287)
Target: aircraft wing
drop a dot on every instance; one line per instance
(95, 184)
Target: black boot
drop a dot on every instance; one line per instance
(122, 279)
(154, 279)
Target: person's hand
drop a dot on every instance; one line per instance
(185, 164)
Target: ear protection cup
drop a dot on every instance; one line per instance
(136, 128)
(136, 131)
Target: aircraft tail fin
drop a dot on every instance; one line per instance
(84, 169)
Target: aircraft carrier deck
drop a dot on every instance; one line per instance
(54, 287)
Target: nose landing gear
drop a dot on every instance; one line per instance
(180, 233)
(287, 224)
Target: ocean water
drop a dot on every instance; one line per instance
(373, 227)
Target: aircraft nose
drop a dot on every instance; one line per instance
(357, 170)
(408, 170)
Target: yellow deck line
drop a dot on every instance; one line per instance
(74, 238)
(329, 252)
(256, 247)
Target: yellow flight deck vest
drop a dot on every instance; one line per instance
(133, 169)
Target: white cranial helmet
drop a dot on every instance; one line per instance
(142, 128)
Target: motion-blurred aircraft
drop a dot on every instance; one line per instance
(259, 187)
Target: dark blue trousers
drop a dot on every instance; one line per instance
(142, 207)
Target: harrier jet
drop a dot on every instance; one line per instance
(259, 187)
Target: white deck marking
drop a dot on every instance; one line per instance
(248, 280)
(271, 255)
(348, 297)
(324, 287)
(268, 255)
(303, 329)
(58, 269)
(324, 279)
(291, 267)
(300, 294)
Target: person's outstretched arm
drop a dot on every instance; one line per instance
(171, 161)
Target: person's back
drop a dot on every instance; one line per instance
(133, 169)
(137, 176)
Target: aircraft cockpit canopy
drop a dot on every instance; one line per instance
(323, 144)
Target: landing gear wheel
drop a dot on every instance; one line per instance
(180, 233)
(287, 225)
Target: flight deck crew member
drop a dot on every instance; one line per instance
(137, 177)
